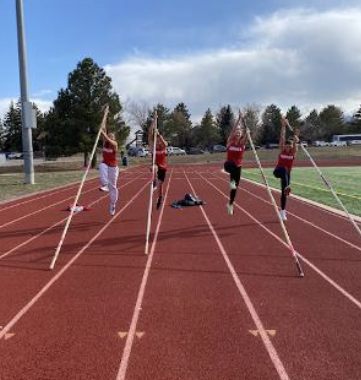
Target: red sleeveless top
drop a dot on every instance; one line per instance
(286, 159)
(161, 157)
(109, 155)
(235, 154)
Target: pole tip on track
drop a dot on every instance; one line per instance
(301, 274)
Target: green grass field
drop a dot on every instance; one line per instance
(306, 183)
(12, 184)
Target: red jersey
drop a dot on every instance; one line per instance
(109, 155)
(286, 159)
(235, 154)
(161, 156)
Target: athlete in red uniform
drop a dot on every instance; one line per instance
(235, 152)
(160, 161)
(108, 169)
(286, 157)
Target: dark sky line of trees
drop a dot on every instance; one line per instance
(70, 126)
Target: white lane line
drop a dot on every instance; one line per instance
(43, 209)
(256, 319)
(138, 306)
(339, 238)
(31, 303)
(344, 292)
(308, 202)
(55, 225)
(49, 193)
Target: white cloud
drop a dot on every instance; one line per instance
(298, 56)
(43, 93)
(43, 105)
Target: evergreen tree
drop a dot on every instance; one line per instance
(207, 133)
(332, 123)
(311, 128)
(2, 136)
(294, 117)
(354, 126)
(225, 120)
(180, 126)
(271, 125)
(79, 109)
(13, 128)
(163, 122)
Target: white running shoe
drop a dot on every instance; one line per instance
(230, 209)
(104, 188)
(233, 185)
(112, 209)
(283, 215)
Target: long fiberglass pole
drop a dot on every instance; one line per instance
(150, 207)
(72, 209)
(274, 204)
(328, 185)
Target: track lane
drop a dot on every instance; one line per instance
(195, 322)
(315, 325)
(31, 263)
(325, 251)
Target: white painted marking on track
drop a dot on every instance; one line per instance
(9, 336)
(43, 209)
(139, 335)
(303, 220)
(339, 238)
(12, 250)
(32, 302)
(138, 305)
(256, 333)
(310, 264)
(313, 204)
(42, 194)
(247, 300)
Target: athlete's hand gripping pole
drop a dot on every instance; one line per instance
(274, 204)
(154, 126)
(72, 210)
(327, 183)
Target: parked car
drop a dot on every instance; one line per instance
(304, 143)
(272, 146)
(321, 143)
(338, 143)
(218, 148)
(175, 151)
(143, 152)
(354, 142)
(195, 150)
(15, 156)
(248, 147)
(134, 151)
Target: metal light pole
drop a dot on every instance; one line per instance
(28, 121)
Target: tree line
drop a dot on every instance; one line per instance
(177, 128)
(70, 126)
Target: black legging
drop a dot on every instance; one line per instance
(235, 175)
(285, 176)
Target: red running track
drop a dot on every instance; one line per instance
(217, 298)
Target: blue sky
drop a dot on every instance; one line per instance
(203, 52)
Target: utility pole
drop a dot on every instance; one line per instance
(28, 113)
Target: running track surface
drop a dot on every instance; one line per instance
(217, 298)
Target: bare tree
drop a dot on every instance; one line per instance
(251, 113)
(136, 113)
